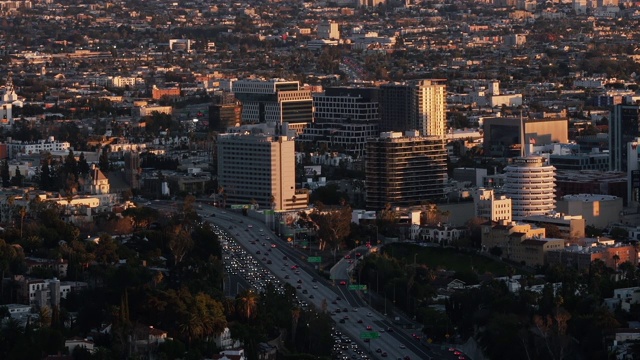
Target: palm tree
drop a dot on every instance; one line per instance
(191, 327)
(23, 213)
(248, 302)
(295, 316)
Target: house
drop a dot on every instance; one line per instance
(623, 298)
(441, 234)
(75, 342)
(233, 354)
(225, 341)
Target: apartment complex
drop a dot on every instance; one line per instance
(404, 170)
(14, 148)
(344, 117)
(530, 183)
(274, 101)
(414, 105)
(259, 169)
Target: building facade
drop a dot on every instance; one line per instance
(522, 243)
(624, 127)
(492, 207)
(274, 101)
(502, 134)
(599, 211)
(414, 105)
(328, 30)
(344, 118)
(404, 170)
(530, 183)
(259, 170)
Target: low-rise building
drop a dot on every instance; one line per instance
(571, 227)
(59, 266)
(519, 242)
(441, 234)
(75, 342)
(597, 210)
(581, 256)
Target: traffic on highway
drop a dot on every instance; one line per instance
(361, 333)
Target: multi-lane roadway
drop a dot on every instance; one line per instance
(347, 308)
(286, 264)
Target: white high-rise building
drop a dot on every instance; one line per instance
(489, 206)
(259, 169)
(530, 183)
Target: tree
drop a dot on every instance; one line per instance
(45, 176)
(71, 166)
(333, 226)
(180, 243)
(247, 304)
(83, 166)
(17, 179)
(106, 251)
(5, 174)
(103, 161)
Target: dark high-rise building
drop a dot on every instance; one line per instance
(624, 127)
(414, 105)
(132, 169)
(344, 118)
(224, 113)
(404, 170)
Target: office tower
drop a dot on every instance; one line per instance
(530, 184)
(273, 102)
(404, 170)
(225, 112)
(344, 118)
(624, 127)
(415, 105)
(502, 135)
(328, 30)
(259, 169)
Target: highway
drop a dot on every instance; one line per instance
(351, 314)
(290, 265)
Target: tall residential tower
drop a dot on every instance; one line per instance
(404, 170)
(414, 105)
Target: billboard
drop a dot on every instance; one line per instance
(312, 170)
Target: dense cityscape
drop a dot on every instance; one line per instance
(347, 179)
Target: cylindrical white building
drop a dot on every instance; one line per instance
(530, 183)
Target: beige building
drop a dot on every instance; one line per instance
(522, 243)
(571, 227)
(491, 207)
(328, 30)
(597, 210)
(259, 169)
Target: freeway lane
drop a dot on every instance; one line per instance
(279, 259)
(304, 277)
